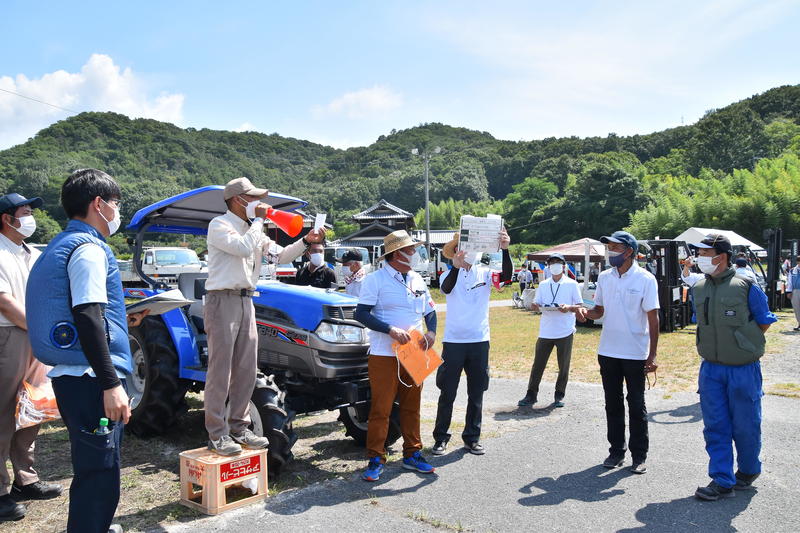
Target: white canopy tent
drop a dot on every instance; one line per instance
(695, 235)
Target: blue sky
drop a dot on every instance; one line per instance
(343, 73)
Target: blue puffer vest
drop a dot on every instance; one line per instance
(51, 330)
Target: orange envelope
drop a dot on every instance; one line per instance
(419, 363)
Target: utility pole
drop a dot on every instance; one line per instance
(426, 159)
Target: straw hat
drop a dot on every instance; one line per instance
(449, 249)
(395, 241)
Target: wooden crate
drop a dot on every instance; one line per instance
(209, 480)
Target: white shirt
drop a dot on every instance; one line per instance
(692, 278)
(468, 305)
(555, 324)
(746, 273)
(235, 250)
(15, 265)
(626, 300)
(401, 304)
(525, 276)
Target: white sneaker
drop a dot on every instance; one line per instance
(248, 439)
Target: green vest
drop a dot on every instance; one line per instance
(726, 333)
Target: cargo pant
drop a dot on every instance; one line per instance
(230, 323)
(730, 399)
(385, 386)
(18, 446)
(544, 347)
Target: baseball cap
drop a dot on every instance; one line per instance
(242, 186)
(349, 255)
(556, 256)
(741, 262)
(622, 237)
(720, 243)
(14, 200)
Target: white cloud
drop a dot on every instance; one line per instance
(99, 86)
(364, 103)
(245, 126)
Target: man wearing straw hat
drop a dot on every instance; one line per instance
(393, 301)
(467, 287)
(236, 244)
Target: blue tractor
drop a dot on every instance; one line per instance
(312, 353)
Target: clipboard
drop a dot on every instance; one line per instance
(417, 362)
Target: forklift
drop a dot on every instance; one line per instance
(663, 259)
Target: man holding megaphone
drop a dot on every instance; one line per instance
(236, 245)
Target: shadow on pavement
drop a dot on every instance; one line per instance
(524, 413)
(686, 414)
(591, 485)
(691, 514)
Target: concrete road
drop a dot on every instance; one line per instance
(541, 473)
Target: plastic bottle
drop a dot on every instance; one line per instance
(103, 428)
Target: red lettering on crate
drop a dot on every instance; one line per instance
(237, 469)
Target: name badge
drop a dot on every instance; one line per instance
(730, 312)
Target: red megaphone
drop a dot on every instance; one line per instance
(290, 223)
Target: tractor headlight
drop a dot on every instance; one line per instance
(343, 333)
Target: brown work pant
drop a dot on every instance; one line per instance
(385, 387)
(18, 446)
(230, 323)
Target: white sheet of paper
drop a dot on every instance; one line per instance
(480, 234)
(319, 221)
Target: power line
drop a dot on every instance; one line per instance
(39, 101)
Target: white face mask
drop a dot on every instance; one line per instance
(316, 259)
(705, 265)
(556, 269)
(250, 207)
(411, 261)
(114, 223)
(474, 258)
(27, 225)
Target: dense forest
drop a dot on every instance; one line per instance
(738, 168)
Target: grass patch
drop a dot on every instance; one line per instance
(788, 390)
(505, 294)
(425, 518)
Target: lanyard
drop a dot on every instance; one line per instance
(554, 294)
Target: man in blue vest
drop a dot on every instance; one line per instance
(732, 317)
(77, 324)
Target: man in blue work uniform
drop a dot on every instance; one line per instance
(732, 317)
(77, 324)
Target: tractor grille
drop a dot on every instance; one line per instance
(340, 312)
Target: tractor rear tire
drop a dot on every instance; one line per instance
(355, 420)
(158, 393)
(272, 419)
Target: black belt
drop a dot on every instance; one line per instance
(244, 293)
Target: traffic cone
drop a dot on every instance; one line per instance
(290, 223)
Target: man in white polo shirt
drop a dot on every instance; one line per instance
(627, 299)
(467, 287)
(558, 298)
(393, 301)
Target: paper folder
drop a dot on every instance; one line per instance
(418, 362)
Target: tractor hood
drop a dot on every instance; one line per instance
(190, 212)
(304, 305)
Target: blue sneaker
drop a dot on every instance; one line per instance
(374, 470)
(418, 463)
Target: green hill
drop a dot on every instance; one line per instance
(153, 160)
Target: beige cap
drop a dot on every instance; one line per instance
(449, 249)
(242, 186)
(395, 241)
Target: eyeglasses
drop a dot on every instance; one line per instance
(117, 203)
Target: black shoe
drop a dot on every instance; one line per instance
(527, 401)
(714, 492)
(474, 448)
(745, 481)
(558, 403)
(614, 461)
(10, 510)
(40, 490)
(639, 468)
(439, 448)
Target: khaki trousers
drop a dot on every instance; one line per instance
(18, 446)
(385, 387)
(230, 323)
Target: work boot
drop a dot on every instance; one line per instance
(248, 439)
(10, 510)
(714, 492)
(745, 481)
(39, 490)
(224, 446)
